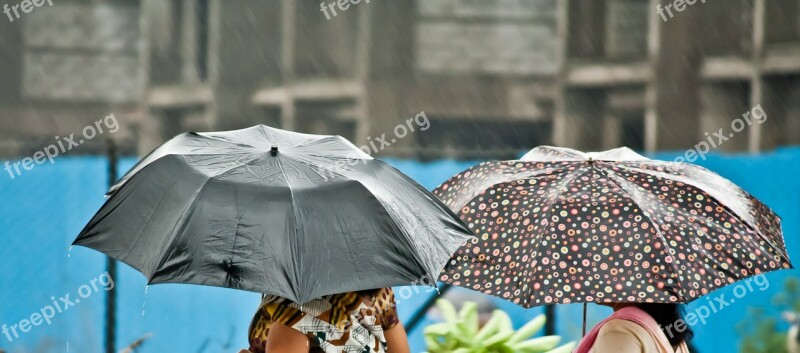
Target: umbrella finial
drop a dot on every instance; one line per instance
(274, 150)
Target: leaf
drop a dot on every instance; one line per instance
(499, 338)
(539, 344)
(469, 318)
(567, 348)
(529, 329)
(448, 310)
(459, 333)
(492, 326)
(433, 344)
(439, 329)
(505, 324)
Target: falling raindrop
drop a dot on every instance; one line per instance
(438, 292)
(67, 346)
(69, 251)
(145, 299)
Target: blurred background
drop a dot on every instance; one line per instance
(494, 78)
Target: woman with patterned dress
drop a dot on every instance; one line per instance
(363, 322)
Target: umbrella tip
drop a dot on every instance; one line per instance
(274, 150)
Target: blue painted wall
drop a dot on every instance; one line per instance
(44, 209)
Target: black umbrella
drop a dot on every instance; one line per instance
(272, 211)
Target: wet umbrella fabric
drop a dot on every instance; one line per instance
(562, 226)
(272, 211)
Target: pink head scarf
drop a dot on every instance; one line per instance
(629, 313)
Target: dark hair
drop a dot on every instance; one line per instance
(369, 291)
(667, 317)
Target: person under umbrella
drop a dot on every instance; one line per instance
(360, 321)
(290, 215)
(616, 228)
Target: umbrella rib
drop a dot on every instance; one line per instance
(168, 250)
(235, 232)
(331, 170)
(272, 137)
(136, 169)
(314, 167)
(689, 181)
(149, 218)
(438, 267)
(655, 226)
(406, 237)
(549, 206)
(162, 258)
(217, 138)
(495, 179)
(305, 143)
(725, 207)
(455, 196)
(293, 240)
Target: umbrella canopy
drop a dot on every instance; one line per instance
(272, 211)
(562, 226)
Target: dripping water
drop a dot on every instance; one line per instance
(144, 303)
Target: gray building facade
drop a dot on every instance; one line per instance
(494, 77)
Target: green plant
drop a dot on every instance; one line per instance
(760, 332)
(459, 333)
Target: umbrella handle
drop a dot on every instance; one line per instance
(584, 320)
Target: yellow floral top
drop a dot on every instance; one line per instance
(347, 322)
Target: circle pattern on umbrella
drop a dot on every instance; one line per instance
(603, 231)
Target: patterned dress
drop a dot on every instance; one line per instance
(347, 322)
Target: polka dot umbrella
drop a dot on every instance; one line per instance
(563, 226)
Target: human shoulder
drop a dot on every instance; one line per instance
(624, 326)
(623, 336)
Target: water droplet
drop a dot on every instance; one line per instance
(144, 303)
(67, 346)
(69, 253)
(438, 292)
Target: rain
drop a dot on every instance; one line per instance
(123, 130)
